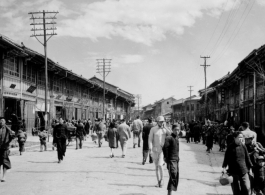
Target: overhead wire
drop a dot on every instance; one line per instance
(223, 9)
(233, 36)
(225, 28)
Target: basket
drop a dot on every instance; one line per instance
(225, 179)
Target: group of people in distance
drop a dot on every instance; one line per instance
(160, 142)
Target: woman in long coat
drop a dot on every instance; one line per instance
(113, 138)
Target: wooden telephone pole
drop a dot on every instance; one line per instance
(103, 68)
(48, 30)
(205, 76)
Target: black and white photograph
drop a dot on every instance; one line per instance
(132, 97)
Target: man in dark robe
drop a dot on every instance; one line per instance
(196, 131)
(145, 136)
(6, 136)
(209, 136)
(171, 157)
(59, 138)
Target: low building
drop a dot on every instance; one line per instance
(22, 89)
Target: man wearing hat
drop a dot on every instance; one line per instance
(6, 136)
(156, 142)
(247, 132)
(145, 136)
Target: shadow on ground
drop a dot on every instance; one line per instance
(141, 169)
(212, 184)
(134, 194)
(132, 185)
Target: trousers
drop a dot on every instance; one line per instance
(137, 138)
(241, 184)
(145, 156)
(123, 146)
(173, 170)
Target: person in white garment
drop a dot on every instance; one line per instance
(156, 142)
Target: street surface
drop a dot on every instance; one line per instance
(91, 171)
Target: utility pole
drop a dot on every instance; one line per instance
(48, 30)
(103, 68)
(205, 76)
(138, 96)
(190, 98)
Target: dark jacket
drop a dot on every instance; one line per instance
(6, 136)
(145, 136)
(80, 130)
(171, 148)
(237, 159)
(60, 131)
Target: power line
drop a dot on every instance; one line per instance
(226, 27)
(233, 36)
(223, 8)
(46, 21)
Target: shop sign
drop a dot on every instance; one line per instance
(11, 94)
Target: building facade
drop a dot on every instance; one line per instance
(69, 95)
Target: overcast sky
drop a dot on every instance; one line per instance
(155, 45)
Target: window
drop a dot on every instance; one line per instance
(11, 67)
(192, 107)
(57, 85)
(41, 78)
(29, 73)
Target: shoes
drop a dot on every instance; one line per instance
(158, 185)
(3, 180)
(161, 183)
(59, 161)
(111, 156)
(133, 145)
(143, 162)
(123, 156)
(139, 146)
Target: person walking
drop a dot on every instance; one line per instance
(156, 142)
(171, 157)
(100, 129)
(112, 136)
(80, 134)
(145, 136)
(137, 128)
(187, 133)
(124, 136)
(43, 137)
(238, 161)
(59, 138)
(87, 128)
(6, 136)
(197, 132)
(22, 138)
(209, 136)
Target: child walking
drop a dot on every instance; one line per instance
(22, 137)
(43, 136)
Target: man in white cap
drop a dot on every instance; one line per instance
(156, 142)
